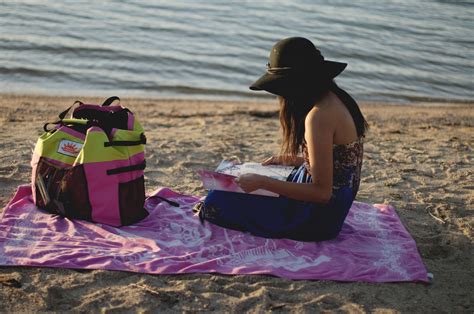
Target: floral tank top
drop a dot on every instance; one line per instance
(347, 166)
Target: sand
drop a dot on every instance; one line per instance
(418, 158)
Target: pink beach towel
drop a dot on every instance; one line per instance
(373, 245)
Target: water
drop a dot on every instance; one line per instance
(397, 50)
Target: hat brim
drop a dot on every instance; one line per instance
(282, 84)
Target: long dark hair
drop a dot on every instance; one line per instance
(293, 111)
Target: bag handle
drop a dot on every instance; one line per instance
(66, 121)
(63, 114)
(110, 100)
(106, 103)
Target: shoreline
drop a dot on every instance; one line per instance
(417, 158)
(263, 98)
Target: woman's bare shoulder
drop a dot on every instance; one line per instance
(320, 120)
(321, 114)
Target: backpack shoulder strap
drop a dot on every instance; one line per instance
(63, 114)
(110, 100)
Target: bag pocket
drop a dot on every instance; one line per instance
(132, 201)
(62, 191)
(48, 182)
(75, 194)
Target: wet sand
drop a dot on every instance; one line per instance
(419, 158)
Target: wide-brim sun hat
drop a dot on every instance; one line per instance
(296, 66)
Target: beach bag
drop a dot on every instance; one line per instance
(90, 166)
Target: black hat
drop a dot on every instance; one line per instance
(296, 66)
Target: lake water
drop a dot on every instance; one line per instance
(397, 50)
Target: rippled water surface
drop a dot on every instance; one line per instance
(396, 50)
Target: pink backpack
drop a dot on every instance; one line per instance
(91, 166)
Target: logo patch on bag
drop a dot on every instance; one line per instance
(69, 148)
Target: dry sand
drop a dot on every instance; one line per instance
(418, 158)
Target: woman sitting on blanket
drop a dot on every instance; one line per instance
(325, 124)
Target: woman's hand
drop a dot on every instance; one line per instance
(250, 182)
(283, 160)
(273, 160)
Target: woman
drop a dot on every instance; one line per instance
(321, 121)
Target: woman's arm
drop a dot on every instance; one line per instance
(308, 192)
(319, 138)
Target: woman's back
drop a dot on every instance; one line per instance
(335, 113)
(347, 144)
